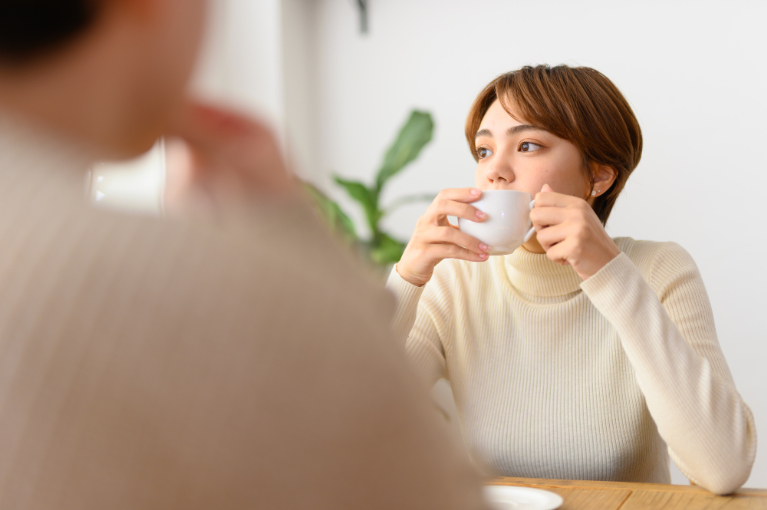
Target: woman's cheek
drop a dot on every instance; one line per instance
(534, 179)
(561, 182)
(480, 180)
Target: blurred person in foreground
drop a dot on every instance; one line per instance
(150, 364)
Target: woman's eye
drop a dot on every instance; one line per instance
(482, 153)
(529, 147)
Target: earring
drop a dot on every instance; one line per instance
(593, 193)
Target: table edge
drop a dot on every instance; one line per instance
(591, 484)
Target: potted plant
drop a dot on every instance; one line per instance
(380, 248)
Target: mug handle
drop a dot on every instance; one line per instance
(532, 229)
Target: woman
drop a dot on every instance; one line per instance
(577, 356)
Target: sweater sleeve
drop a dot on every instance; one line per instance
(667, 330)
(420, 316)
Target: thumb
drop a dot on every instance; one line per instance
(546, 187)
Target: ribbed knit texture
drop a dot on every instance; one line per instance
(555, 377)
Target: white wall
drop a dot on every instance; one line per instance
(694, 73)
(241, 62)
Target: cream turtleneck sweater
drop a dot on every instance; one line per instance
(555, 377)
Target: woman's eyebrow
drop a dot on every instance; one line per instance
(522, 127)
(511, 131)
(483, 132)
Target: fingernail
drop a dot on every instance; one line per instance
(483, 255)
(481, 215)
(483, 246)
(475, 192)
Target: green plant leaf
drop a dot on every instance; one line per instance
(366, 197)
(413, 136)
(387, 251)
(336, 218)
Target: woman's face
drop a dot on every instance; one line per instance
(518, 156)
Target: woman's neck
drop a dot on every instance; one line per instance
(533, 246)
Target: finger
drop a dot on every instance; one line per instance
(450, 235)
(441, 208)
(560, 252)
(543, 217)
(549, 198)
(552, 199)
(552, 236)
(452, 251)
(466, 195)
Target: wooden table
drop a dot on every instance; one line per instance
(585, 495)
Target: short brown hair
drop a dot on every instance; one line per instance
(578, 104)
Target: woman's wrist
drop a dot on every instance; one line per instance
(408, 277)
(598, 260)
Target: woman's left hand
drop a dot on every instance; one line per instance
(570, 232)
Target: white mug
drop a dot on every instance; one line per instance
(507, 226)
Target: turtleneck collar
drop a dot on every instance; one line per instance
(534, 274)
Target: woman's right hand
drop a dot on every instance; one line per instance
(435, 239)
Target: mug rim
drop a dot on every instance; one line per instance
(504, 191)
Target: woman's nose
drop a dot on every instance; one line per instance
(500, 172)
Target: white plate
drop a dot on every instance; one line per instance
(509, 497)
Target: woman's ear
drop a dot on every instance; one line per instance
(604, 177)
